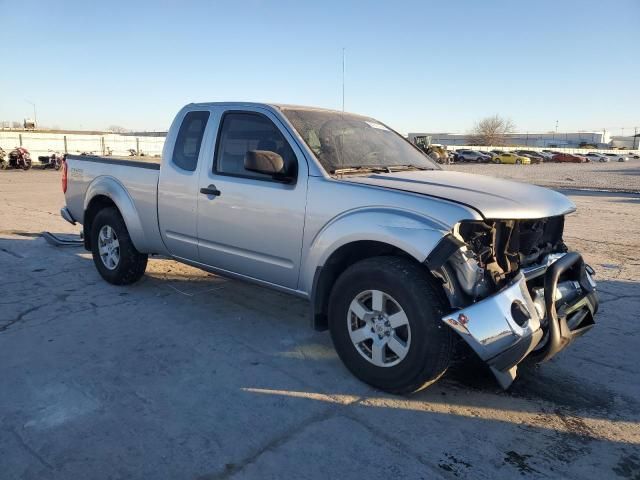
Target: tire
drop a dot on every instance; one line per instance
(498, 160)
(130, 264)
(427, 341)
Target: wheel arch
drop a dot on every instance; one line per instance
(105, 192)
(360, 235)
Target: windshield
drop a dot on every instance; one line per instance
(343, 141)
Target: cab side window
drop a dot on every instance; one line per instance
(187, 147)
(242, 132)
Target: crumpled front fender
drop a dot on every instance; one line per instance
(410, 232)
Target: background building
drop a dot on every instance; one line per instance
(600, 139)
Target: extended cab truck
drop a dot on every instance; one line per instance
(397, 257)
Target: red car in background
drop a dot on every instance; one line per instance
(568, 158)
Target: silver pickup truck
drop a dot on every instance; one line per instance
(398, 258)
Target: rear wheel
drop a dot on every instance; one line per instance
(114, 254)
(385, 322)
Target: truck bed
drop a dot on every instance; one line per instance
(126, 181)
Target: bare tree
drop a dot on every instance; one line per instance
(117, 129)
(491, 131)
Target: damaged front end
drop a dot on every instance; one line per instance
(516, 290)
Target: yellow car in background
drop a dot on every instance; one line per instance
(513, 158)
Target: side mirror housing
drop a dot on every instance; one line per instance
(268, 163)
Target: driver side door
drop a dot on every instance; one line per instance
(249, 223)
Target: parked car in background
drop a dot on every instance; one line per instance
(550, 152)
(535, 157)
(634, 155)
(616, 157)
(596, 157)
(547, 156)
(512, 158)
(492, 155)
(569, 158)
(472, 156)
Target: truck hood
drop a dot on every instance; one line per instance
(494, 198)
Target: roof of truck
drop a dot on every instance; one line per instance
(279, 106)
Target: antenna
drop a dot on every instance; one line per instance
(343, 62)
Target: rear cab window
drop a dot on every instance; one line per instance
(189, 140)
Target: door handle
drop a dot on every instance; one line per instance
(210, 190)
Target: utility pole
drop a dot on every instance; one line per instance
(343, 63)
(35, 115)
(633, 140)
(556, 126)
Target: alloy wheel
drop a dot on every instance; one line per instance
(109, 247)
(379, 328)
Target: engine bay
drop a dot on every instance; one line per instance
(502, 247)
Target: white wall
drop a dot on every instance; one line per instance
(41, 143)
(540, 140)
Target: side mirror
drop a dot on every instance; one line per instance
(268, 163)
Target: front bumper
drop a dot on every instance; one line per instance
(505, 328)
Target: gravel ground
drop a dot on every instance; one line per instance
(613, 176)
(190, 375)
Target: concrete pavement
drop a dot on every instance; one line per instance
(190, 375)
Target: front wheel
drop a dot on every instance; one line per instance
(114, 254)
(385, 322)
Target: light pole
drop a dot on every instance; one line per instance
(35, 115)
(343, 64)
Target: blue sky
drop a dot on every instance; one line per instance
(417, 65)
